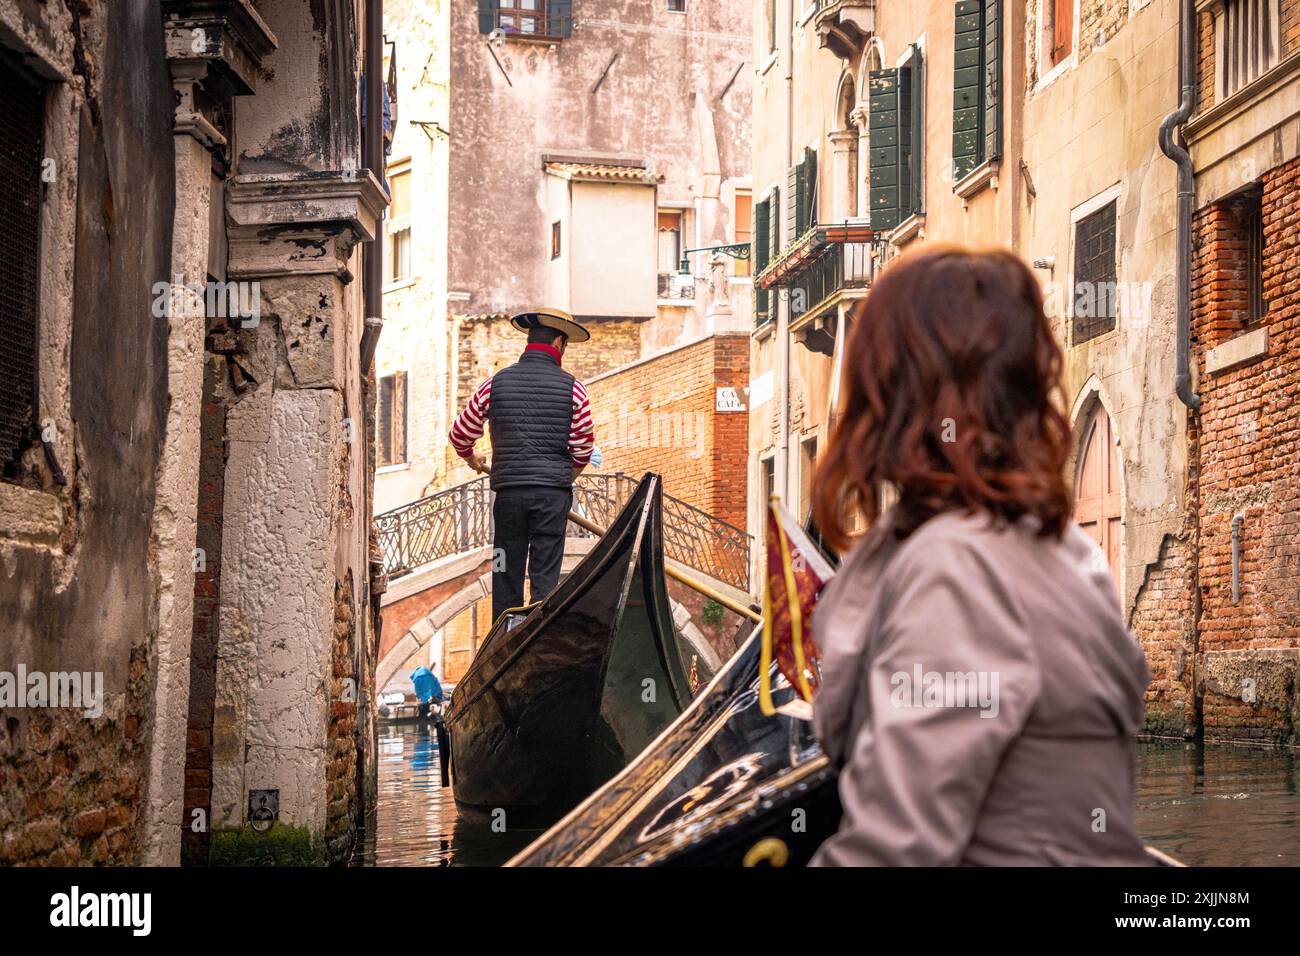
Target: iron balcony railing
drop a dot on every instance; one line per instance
(459, 519)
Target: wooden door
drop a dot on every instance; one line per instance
(1098, 507)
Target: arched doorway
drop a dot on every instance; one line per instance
(1098, 504)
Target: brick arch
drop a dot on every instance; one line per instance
(393, 655)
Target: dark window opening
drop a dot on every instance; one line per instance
(1096, 292)
(549, 19)
(676, 6)
(556, 248)
(22, 117)
(1252, 227)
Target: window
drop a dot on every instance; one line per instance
(894, 132)
(670, 241)
(1238, 252)
(742, 225)
(770, 20)
(676, 6)
(1060, 42)
(390, 414)
(1245, 43)
(552, 19)
(802, 196)
(807, 463)
(767, 485)
(763, 248)
(22, 117)
(976, 87)
(399, 226)
(556, 248)
(1095, 289)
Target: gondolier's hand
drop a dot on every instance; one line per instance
(479, 464)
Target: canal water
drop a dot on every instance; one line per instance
(1214, 805)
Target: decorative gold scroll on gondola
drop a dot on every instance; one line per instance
(796, 572)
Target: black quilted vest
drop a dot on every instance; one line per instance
(529, 414)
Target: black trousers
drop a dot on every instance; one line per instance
(529, 524)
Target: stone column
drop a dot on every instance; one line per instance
(294, 542)
(844, 173)
(213, 51)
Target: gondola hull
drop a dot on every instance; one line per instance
(723, 786)
(554, 706)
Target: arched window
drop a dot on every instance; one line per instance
(1098, 504)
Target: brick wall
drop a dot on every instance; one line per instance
(1248, 464)
(207, 599)
(661, 415)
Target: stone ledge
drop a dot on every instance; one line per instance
(1237, 351)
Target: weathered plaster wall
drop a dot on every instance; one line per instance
(76, 570)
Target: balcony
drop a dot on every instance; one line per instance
(844, 26)
(676, 285)
(828, 264)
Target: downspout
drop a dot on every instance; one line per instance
(372, 263)
(1175, 150)
(783, 315)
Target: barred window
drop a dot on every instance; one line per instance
(1246, 46)
(22, 114)
(1095, 274)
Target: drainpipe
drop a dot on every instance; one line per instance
(1174, 149)
(783, 315)
(372, 263)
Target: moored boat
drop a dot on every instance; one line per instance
(563, 694)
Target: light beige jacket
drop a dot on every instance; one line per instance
(980, 693)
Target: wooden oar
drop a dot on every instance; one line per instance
(681, 576)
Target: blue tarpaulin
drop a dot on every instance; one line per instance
(427, 687)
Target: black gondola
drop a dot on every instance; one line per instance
(723, 786)
(560, 698)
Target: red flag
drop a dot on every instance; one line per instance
(796, 572)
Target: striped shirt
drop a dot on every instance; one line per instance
(470, 423)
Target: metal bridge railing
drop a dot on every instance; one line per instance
(459, 519)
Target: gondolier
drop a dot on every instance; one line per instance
(542, 436)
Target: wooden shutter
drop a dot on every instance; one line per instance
(760, 244)
(774, 224)
(794, 201)
(966, 89)
(882, 139)
(992, 88)
(1062, 29)
(907, 147)
(810, 190)
(559, 18)
(399, 417)
(487, 15)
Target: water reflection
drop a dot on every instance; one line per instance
(417, 821)
(1215, 805)
(1220, 805)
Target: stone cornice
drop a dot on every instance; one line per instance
(227, 36)
(288, 223)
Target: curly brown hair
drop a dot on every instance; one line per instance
(952, 387)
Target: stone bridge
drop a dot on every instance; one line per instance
(437, 553)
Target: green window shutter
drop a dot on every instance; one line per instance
(906, 166)
(760, 254)
(966, 81)
(559, 18)
(793, 201)
(810, 190)
(487, 15)
(992, 79)
(774, 224)
(882, 141)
